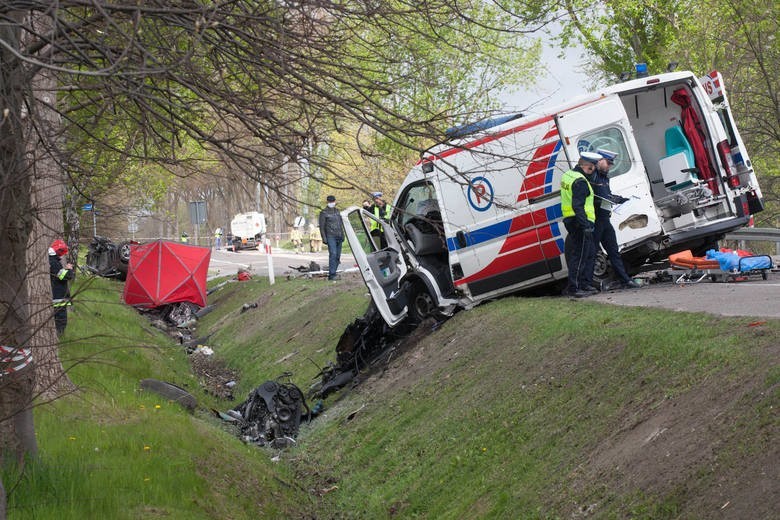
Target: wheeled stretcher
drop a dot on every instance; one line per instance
(688, 269)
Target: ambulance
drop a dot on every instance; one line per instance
(479, 216)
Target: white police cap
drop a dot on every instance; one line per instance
(591, 157)
(606, 154)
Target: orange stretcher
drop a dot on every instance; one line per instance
(693, 269)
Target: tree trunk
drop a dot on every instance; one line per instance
(2, 500)
(15, 227)
(48, 195)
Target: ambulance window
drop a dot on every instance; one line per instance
(723, 115)
(417, 200)
(362, 228)
(608, 139)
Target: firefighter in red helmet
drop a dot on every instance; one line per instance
(61, 274)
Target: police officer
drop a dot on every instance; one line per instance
(579, 217)
(60, 275)
(381, 210)
(604, 233)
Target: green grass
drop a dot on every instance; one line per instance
(521, 408)
(114, 451)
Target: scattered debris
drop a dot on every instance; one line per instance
(286, 357)
(364, 342)
(248, 306)
(204, 350)
(271, 415)
(213, 374)
(171, 392)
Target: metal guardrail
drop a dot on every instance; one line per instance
(756, 235)
(763, 234)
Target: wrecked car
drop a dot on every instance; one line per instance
(169, 277)
(271, 415)
(107, 259)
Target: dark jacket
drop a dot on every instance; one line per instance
(59, 278)
(599, 181)
(330, 224)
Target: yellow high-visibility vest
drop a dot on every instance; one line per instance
(567, 181)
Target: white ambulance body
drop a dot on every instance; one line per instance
(480, 216)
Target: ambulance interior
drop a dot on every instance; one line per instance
(686, 189)
(418, 216)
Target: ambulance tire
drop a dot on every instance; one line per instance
(602, 269)
(421, 303)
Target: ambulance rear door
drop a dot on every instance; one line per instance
(602, 124)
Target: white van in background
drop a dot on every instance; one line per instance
(480, 216)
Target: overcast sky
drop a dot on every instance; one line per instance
(560, 80)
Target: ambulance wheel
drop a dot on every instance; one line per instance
(421, 303)
(602, 269)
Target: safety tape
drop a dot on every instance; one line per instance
(61, 302)
(13, 359)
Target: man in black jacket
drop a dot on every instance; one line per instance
(332, 234)
(60, 291)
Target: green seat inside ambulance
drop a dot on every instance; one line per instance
(676, 142)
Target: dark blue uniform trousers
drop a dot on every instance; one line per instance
(580, 255)
(604, 234)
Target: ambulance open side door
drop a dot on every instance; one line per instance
(603, 124)
(382, 268)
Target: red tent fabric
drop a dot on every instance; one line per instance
(163, 272)
(692, 129)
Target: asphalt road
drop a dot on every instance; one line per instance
(227, 263)
(752, 297)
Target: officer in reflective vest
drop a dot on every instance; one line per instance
(381, 210)
(60, 275)
(579, 216)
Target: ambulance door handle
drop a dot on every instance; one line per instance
(460, 236)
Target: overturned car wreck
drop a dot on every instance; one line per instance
(107, 259)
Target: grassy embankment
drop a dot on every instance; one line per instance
(522, 408)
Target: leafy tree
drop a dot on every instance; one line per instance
(260, 85)
(737, 37)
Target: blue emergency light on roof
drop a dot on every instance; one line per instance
(641, 70)
(470, 128)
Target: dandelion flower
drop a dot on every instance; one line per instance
(147, 448)
(71, 438)
(157, 406)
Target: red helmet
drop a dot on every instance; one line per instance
(59, 247)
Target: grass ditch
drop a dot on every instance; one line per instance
(521, 408)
